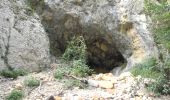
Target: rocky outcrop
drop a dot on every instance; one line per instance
(116, 31)
(23, 41)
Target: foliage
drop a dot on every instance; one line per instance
(160, 71)
(80, 69)
(160, 14)
(15, 95)
(62, 70)
(162, 84)
(35, 3)
(76, 50)
(13, 73)
(146, 69)
(73, 83)
(32, 82)
(77, 55)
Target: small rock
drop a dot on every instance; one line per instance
(93, 83)
(50, 84)
(18, 86)
(97, 98)
(111, 91)
(106, 84)
(139, 93)
(125, 75)
(114, 80)
(98, 77)
(57, 98)
(138, 98)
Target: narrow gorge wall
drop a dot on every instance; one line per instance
(115, 31)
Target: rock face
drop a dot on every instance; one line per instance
(23, 41)
(116, 31)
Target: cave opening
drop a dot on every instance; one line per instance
(104, 57)
(108, 65)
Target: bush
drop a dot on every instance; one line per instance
(73, 83)
(15, 95)
(146, 69)
(160, 14)
(161, 86)
(80, 69)
(32, 82)
(62, 70)
(76, 50)
(13, 73)
(76, 54)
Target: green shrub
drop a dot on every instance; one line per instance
(76, 50)
(13, 73)
(76, 54)
(160, 14)
(15, 95)
(80, 69)
(146, 69)
(161, 86)
(32, 82)
(73, 83)
(59, 73)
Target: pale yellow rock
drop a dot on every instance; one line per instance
(58, 98)
(106, 84)
(140, 93)
(98, 77)
(114, 80)
(107, 78)
(111, 91)
(19, 86)
(138, 98)
(96, 97)
(124, 75)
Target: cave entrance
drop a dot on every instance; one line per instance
(106, 65)
(104, 57)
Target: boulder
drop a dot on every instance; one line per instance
(23, 40)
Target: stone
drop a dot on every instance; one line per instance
(106, 84)
(98, 77)
(97, 98)
(93, 83)
(111, 91)
(125, 75)
(18, 86)
(23, 40)
(57, 98)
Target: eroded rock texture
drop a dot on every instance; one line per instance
(116, 31)
(23, 41)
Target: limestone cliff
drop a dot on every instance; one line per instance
(116, 31)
